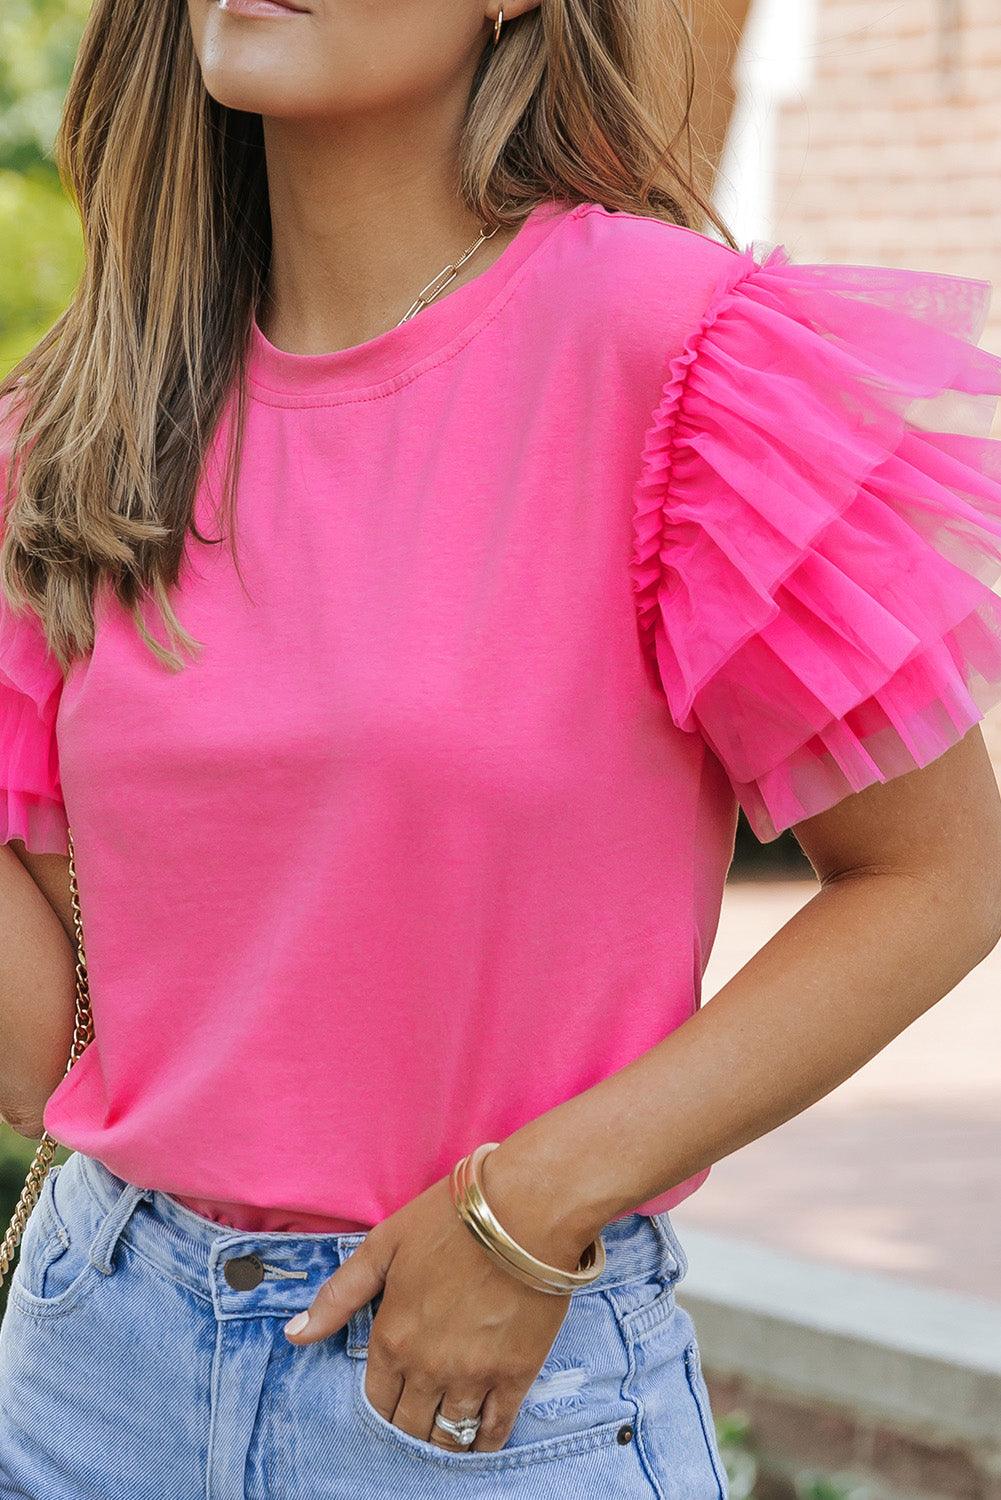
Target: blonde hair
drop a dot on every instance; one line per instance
(119, 400)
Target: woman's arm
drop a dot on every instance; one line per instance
(910, 901)
(37, 983)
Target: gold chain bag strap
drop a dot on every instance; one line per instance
(83, 1032)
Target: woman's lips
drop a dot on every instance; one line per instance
(261, 8)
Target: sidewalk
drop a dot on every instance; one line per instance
(899, 1169)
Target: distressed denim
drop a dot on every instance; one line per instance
(132, 1369)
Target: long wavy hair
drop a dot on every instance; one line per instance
(584, 100)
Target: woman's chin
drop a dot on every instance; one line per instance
(253, 84)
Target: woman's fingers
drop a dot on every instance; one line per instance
(500, 1409)
(410, 1403)
(383, 1384)
(356, 1281)
(416, 1408)
(455, 1408)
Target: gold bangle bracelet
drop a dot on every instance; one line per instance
(472, 1207)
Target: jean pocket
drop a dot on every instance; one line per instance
(577, 1434)
(575, 1406)
(54, 1271)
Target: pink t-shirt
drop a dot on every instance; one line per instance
(536, 587)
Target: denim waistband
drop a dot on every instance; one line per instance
(196, 1251)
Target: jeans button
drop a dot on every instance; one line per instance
(625, 1434)
(244, 1272)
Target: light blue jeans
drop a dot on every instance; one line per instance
(133, 1368)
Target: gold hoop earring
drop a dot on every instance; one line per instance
(497, 26)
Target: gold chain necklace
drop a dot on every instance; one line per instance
(448, 273)
(83, 1036)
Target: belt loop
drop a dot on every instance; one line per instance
(668, 1235)
(359, 1331)
(102, 1248)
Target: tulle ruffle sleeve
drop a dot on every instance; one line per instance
(817, 528)
(31, 802)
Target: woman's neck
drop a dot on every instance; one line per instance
(352, 246)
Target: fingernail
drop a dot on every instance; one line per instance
(298, 1323)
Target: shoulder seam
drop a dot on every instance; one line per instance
(584, 209)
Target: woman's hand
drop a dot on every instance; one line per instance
(453, 1331)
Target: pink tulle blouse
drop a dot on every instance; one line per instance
(534, 590)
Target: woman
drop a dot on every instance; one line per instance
(402, 818)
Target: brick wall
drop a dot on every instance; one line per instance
(892, 156)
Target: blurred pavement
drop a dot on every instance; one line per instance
(899, 1169)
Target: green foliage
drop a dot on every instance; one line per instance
(733, 1433)
(752, 1474)
(16, 1152)
(41, 253)
(42, 257)
(832, 1489)
(38, 43)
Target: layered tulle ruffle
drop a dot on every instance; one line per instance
(818, 528)
(31, 802)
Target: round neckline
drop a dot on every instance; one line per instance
(280, 375)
